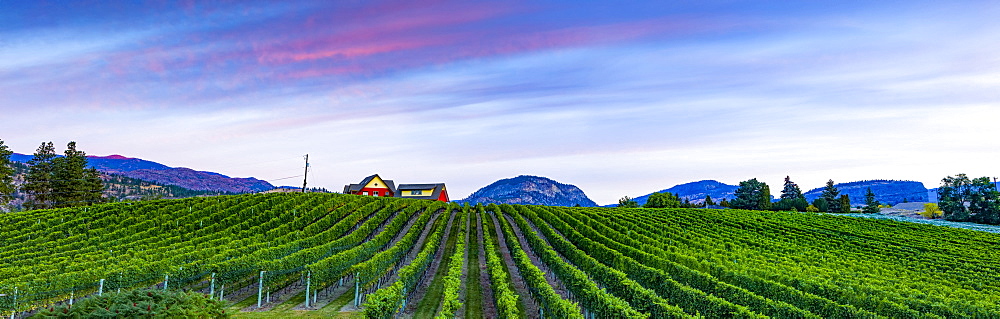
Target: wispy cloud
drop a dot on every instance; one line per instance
(619, 99)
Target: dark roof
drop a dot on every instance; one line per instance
(438, 188)
(419, 186)
(357, 187)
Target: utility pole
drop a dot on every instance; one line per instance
(306, 175)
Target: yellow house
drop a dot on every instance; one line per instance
(372, 186)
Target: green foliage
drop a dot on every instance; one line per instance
(55, 182)
(832, 198)
(609, 263)
(141, 304)
(627, 202)
(753, 195)
(791, 190)
(73, 183)
(872, 206)
(812, 209)
(452, 280)
(6, 175)
(845, 203)
(38, 182)
(931, 211)
(965, 199)
(662, 200)
(708, 201)
(821, 204)
(791, 198)
(794, 204)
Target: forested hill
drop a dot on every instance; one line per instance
(886, 191)
(695, 192)
(120, 187)
(530, 190)
(160, 174)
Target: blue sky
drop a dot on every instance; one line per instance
(619, 98)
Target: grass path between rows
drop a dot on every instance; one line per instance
(429, 305)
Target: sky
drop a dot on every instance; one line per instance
(620, 98)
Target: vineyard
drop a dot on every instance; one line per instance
(389, 258)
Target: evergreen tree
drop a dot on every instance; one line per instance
(662, 200)
(38, 181)
(74, 183)
(6, 175)
(832, 197)
(627, 202)
(871, 205)
(791, 190)
(791, 197)
(724, 203)
(708, 201)
(752, 194)
(845, 203)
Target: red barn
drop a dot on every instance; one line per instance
(372, 186)
(376, 186)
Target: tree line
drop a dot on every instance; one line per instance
(51, 181)
(960, 198)
(756, 195)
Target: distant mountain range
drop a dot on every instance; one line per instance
(886, 191)
(695, 192)
(530, 190)
(161, 174)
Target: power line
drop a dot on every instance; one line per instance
(283, 178)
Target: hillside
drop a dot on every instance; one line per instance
(695, 192)
(119, 187)
(164, 175)
(415, 258)
(886, 191)
(530, 190)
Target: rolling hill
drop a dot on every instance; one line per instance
(886, 191)
(154, 172)
(529, 190)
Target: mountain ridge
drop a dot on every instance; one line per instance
(162, 174)
(529, 190)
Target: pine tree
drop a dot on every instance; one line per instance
(75, 184)
(38, 181)
(832, 197)
(871, 205)
(752, 194)
(708, 201)
(845, 203)
(6, 175)
(791, 190)
(791, 197)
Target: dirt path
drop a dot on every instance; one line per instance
(425, 282)
(530, 305)
(550, 277)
